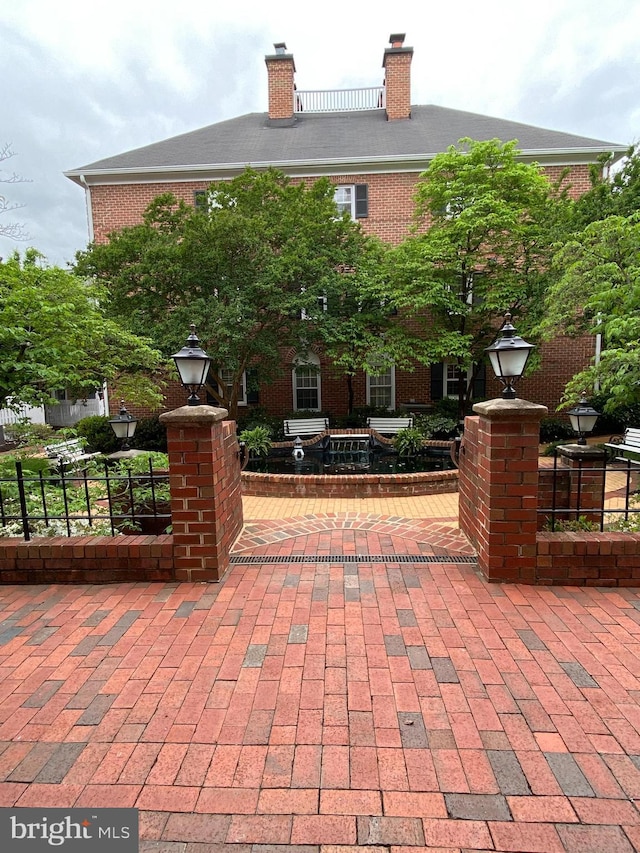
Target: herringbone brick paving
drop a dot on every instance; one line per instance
(402, 706)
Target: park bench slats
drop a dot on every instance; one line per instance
(389, 426)
(305, 426)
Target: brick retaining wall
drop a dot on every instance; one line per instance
(348, 485)
(588, 559)
(87, 559)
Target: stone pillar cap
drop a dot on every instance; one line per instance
(194, 415)
(573, 451)
(507, 410)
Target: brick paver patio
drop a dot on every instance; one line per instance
(351, 682)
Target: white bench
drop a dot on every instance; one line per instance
(629, 443)
(69, 452)
(389, 426)
(306, 426)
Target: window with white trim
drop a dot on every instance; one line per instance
(450, 375)
(381, 389)
(226, 375)
(306, 383)
(352, 199)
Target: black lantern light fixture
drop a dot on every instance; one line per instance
(509, 355)
(124, 426)
(583, 418)
(192, 364)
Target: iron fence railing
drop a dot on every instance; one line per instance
(585, 496)
(71, 501)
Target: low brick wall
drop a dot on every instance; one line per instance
(87, 559)
(348, 485)
(588, 559)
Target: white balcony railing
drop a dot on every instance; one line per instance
(338, 100)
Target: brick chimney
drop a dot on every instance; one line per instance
(280, 70)
(397, 65)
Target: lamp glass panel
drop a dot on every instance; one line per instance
(192, 371)
(124, 428)
(582, 422)
(512, 361)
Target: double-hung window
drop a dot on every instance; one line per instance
(451, 379)
(381, 389)
(352, 199)
(306, 384)
(226, 375)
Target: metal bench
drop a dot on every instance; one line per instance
(69, 452)
(627, 443)
(305, 426)
(389, 426)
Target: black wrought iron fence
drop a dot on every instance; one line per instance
(588, 497)
(99, 499)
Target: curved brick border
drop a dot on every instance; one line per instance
(363, 533)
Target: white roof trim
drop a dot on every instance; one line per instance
(342, 165)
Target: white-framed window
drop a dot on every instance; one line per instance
(450, 377)
(322, 306)
(307, 383)
(345, 198)
(352, 199)
(226, 375)
(381, 389)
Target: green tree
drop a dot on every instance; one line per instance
(485, 221)
(53, 334)
(258, 255)
(597, 291)
(359, 327)
(614, 191)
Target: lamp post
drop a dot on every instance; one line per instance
(509, 355)
(124, 426)
(583, 418)
(192, 364)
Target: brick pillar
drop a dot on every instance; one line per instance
(397, 78)
(499, 478)
(586, 480)
(280, 70)
(206, 495)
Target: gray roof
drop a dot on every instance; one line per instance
(348, 138)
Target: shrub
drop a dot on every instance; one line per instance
(616, 420)
(258, 416)
(98, 434)
(25, 433)
(437, 426)
(555, 429)
(447, 407)
(150, 434)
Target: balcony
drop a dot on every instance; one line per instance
(339, 100)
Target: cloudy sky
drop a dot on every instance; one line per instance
(82, 81)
